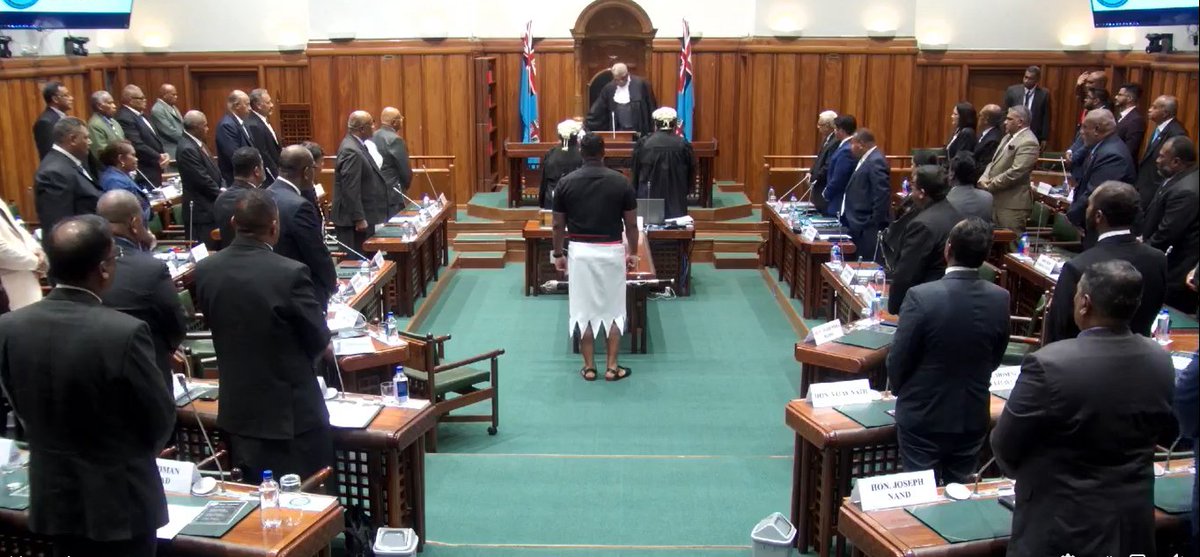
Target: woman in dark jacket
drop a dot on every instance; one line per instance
(963, 137)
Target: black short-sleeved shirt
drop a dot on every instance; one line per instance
(595, 199)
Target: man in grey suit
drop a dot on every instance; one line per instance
(103, 127)
(1007, 176)
(1079, 429)
(167, 120)
(396, 168)
(360, 194)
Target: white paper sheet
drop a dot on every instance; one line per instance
(179, 516)
(355, 345)
(349, 414)
(305, 501)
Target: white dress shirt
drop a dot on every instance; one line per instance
(77, 162)
(621, 96)
(1112, 233)
(268, 124)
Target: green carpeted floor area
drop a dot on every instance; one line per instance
(683, 458)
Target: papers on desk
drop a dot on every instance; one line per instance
(685, 220)
(353, 345)
(178, 517)
(341, 317)
(1004, 378)
(351, 414)
(305, 502)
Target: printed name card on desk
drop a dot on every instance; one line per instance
(177, 476)
(897, 490)
(809, 233)
(1004, 378)
(360, 282)
(199, 252)
(8, 451)
(847, 274)
(1045, 264)
(827, 332)
(378, 259)
(1044, 188)
(838, 393)
(170, 192)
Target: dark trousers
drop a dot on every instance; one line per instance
(866, 242)
(953, 457)
(304, 454)
(353, 238)
(145, 545)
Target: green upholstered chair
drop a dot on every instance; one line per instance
(454, 385)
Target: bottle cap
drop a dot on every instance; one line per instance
(267, 475)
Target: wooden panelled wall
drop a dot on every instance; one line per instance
(755, 96)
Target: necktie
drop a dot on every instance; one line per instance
(1154, 137)
(84, 172)
(1029, 99)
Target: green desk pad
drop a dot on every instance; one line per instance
(1181, 322)
(209, 530)
(390, 232)
(347, 272)
(1173, 494)
(197, 393)
(871, 340)
(966, 521)
(18, 500)
(871, 414)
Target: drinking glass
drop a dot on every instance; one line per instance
(387, 390)
(291, 498)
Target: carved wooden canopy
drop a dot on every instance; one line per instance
(607, 32)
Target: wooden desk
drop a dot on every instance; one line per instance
(840, 298)
(380, 469)
(798, 261)
(417, 259)
(896, 533)
(830, 451)
(1026, 284)
(311, 536)
(619, 154)
(374, 301)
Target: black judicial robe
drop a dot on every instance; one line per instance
(556, 164)
(663, 167)
(641, 104)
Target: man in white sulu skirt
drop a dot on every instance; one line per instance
(591, 208)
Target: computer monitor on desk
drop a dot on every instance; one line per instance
(650, 212)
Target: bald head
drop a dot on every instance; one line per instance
(195, 123)
(360, 123)
(131, 93)
(390, 117)
(79, 250)
(167, 93)
(119, 207)
(294, 164)
(991, 116)
(1097, 125)
(238, 103)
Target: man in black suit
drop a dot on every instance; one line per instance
(63, 185)
(919, 257)
(1131, 124)
(991, 118)
(232, 133)
(951, 338)
(200, 179)
(268, 329)
(840, 167)
(1105, 159)
(142, 287)
(152, 157)
(1035, 99)
(1110, 212)
(58, 103)
(1173, 219)
(396, 168)
(247, 175)
(818, 177)
(301, 236)
(1162, 115)
(262, 135)
(864, 208)
(81, 379)
(360, 194)
(1078, 431)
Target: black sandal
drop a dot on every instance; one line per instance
(585, 371)
(617, 374)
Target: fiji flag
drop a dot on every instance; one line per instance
(530, 132)
(685, 99)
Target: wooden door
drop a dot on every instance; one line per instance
(210, 91)
(987, 86)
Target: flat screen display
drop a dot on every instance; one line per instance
(65, 14)
(1144, 13)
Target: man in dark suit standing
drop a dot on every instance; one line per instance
(1187, 409)
(152, 157)
(142, 287)
(991, 118)
(1173, 219)
(841, 165)
(200, 179)
(301, 236)
(1033, 98)
(396, 168)
(624, 104)
(268, 329)
(818, 176)
(247, 175)
(1162, 115)
(1131, 124)
(919, 256)
(1110, 212)
(360, 195)
(63, 185)
(1106, 159)
(232, 133)
(81, 379)
(951, 338)
(1078, 431)
(262, 135)
(58, 103)
(864, 209)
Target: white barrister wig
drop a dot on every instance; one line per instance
(567, 129)
(664, 114)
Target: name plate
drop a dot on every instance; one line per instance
(319, 189)
(837, 393)
(847, 275)
(827, 332)
(170, 191)
(199, 252)
(808, 233)
(360, 282)
(1045, 264)
(377, 260)
(1044, 188)
(442, 201)
(177, 476)
(1004, 378)
(8, 451)
(897, 490)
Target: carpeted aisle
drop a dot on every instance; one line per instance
(682, 458)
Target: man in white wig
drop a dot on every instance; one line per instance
(591, 207)
(663, 167)
(624, 104)
(560, 161)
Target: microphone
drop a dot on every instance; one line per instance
(979, 475)
(329, 237)
(1166, 467)
(203, 432)
(407, 198)
(802, 180)
(613, 117)
(192, 220)
(1062, 161)
(341, 379)
(436, 194)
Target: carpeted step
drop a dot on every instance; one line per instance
(735, 260)
(484, 241)
(730, 186)
(480, 260)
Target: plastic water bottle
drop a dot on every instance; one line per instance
(1023, 245)
(425, 201)
(268, 501)
(389, 324)
(393, 328)
(771, 199)
(835, 255)
(877, 308)
(401, 381)
(904, 186)
(1162, 327)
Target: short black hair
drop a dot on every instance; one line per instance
(1100, 94)
(1181, 147)
(864, 135)
(314, 148)
(1115, 288)
(924, 157)
(111, 154)
(76, 246)
(591, 146)
(847, 123)
(64, 127)
(962, 167)
(254, 212)
(966, 115)
(1134, 90)
(245, 160)
(970, 242)
(50, 89)
(931, 179)
(1035, 70)
(1119, 202)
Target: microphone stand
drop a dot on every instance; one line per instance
(204, 432)
(783, 197)
(191, 220)
(329, 237)
(1170, 451)
(436, 194)
(979, 475)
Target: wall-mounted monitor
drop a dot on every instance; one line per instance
(65, 14)
(1144, 13)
